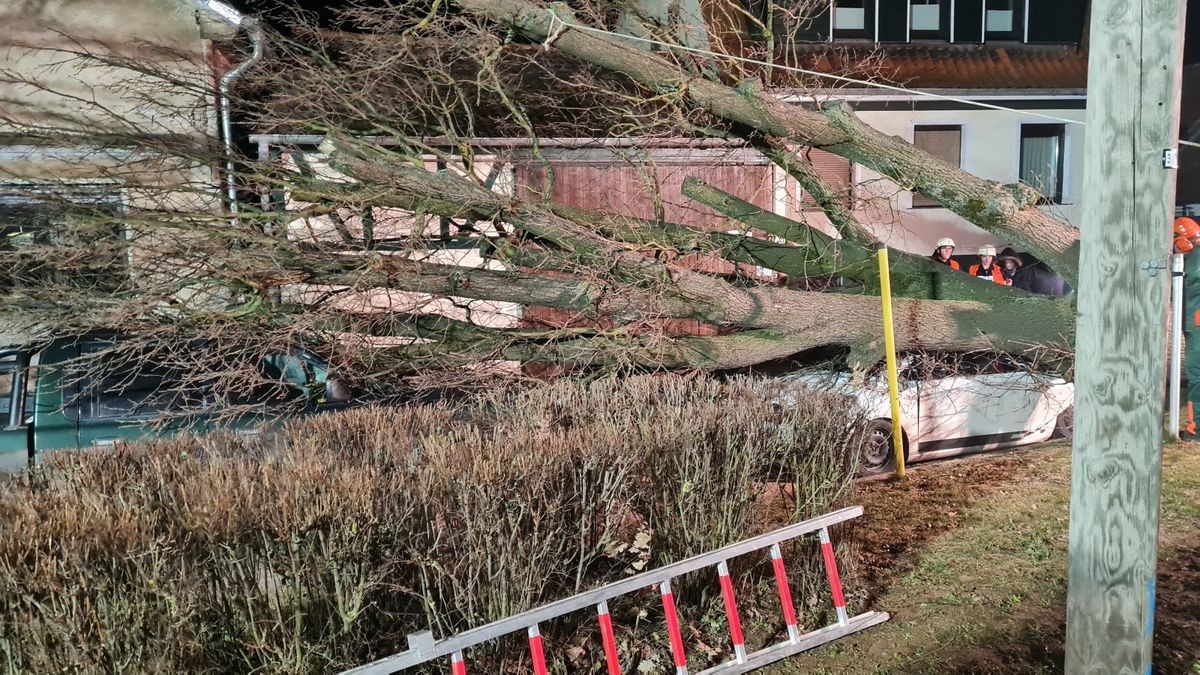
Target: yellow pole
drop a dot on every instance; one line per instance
(889, 343)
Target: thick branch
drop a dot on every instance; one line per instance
(803, 321)
(912, 276)
(834, 205)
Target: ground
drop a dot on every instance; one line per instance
(969, 557)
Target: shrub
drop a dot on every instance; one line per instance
(325, 549)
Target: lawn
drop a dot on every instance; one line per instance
(969, 557)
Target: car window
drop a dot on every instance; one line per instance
(282, 378)
(7, 379)
(124, 386)
(295, 370)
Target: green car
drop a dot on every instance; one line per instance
(48, 401)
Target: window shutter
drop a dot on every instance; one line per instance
(834, 170)
(943, 142)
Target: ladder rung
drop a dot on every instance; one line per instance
(835, 580)
(535, 650)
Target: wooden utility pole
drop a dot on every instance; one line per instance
(1134, 70)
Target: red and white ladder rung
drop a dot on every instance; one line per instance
(423, 648)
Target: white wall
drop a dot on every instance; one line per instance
(990, 149)
(394, 222)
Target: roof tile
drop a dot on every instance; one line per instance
(946, 66)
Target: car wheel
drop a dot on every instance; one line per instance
(876, 455)
(1064, 427)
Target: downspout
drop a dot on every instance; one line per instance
(255, 32)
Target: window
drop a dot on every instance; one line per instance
(835, 170)
(942, 141)
(8, 397)
(1000, 20)
(17, 386)
(1042, 159)
(850, 18)
(127, 385)
(926, 16)
(83, 218)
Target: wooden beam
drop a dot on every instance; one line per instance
(1132, 116)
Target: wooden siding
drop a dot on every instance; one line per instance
(644, 192)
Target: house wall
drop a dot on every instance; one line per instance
(412, 233)
(648, 185)
(51, 90)
(77, 93)
(990, 149)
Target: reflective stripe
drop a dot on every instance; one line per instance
(610, 642)
(535, 650)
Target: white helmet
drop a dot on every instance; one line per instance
(945, 241)
(987, 250)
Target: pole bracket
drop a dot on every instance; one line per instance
(1152, 266)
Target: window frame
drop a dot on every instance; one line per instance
(1060, 132)
(936, 127)
(29, 196)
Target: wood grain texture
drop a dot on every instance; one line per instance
(1132, 115)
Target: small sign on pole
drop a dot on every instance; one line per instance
(889, 343)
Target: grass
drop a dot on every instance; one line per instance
(985, 593)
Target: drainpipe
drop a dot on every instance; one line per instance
(256, 37)
(255, 33)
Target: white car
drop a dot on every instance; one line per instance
(952, 404)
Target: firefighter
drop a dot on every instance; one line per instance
(986, 267)
(1187, 241)
(942, 252)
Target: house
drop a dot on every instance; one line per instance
(92, 88)
(1027, 57)
(1002, 95)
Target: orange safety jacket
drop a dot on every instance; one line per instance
(952, 263)
(996, 274)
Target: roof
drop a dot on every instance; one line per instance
(951, 66)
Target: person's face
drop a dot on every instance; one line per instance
(1010, 264)
(945, 252)
(986, 260)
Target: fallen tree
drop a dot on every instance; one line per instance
(355, 261)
